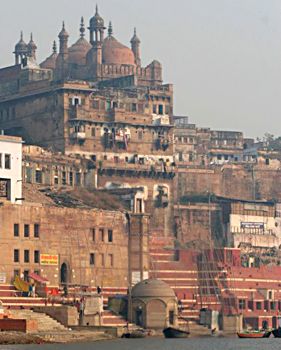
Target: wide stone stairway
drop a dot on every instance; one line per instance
(45, 322)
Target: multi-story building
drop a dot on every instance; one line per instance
(94, 101)
(11, 168)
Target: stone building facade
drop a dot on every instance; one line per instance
(65, 245)
(110, 118)
(11, 169)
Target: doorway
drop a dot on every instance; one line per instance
(64, 274)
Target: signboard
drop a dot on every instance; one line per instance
(3, 277)
(255, 225)
(48, 259)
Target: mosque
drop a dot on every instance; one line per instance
(100, 58)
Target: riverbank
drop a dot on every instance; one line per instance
(18, 338)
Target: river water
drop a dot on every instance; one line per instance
(162, 344)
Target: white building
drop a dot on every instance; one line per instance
(11, 168)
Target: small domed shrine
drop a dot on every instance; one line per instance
(154, 304)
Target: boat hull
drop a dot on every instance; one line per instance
(254, 335)
(277, 333)
(134, 335)
(171, 332)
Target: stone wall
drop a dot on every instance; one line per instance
(70, 234)
(234, 181)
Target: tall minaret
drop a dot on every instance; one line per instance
(62, 59)
(135, 44)
(63, 37)
(97, 35)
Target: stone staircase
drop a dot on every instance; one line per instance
(109, 319)
(180, 275)
(45, 322)
(12, 299)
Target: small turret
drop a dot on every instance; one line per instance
(135, 44)
(96, 28)
(21, 50)
(32, 48)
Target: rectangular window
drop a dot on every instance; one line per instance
(16, 255)
(102, 259)
(108, 105)
(16, 230)
(154, 110)
(71, 178)
(64, 177)
(38, 176)
(36, 230)
(110, 256)
(78, 179)
(134, 107)
(37, 272)
(92, 259)
(36, 256)
(272, 305)
(160, 109)
(96, 104)
(242, 304)
(258, 305)
(101, 231)
(26, 230)
(7, 161)
(25, 275)
(94, 234)
(93, 132)
(110, 236)
(0, 160)
(26, 256)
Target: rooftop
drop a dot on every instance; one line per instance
(14, 139)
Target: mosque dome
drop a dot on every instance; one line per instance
(113, 52)
(152, 288)
(21, 46)
(78, 51)
(50, 62)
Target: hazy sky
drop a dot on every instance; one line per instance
(223, 56)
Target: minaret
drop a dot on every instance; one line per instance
(62, 59)
(63, 36)
(135, 44)
(82, 28)
(21, 50)
(97, 35)
(32, 48)
(110, 29)
(55, 51)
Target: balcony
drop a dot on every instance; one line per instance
(143, 170)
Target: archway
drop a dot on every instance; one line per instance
(64, 274)
(156, 314)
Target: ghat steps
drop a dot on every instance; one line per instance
(45, 323)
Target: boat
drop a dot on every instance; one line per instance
(277, 332)
(254, 334)
(171, 332)
(139, 333)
